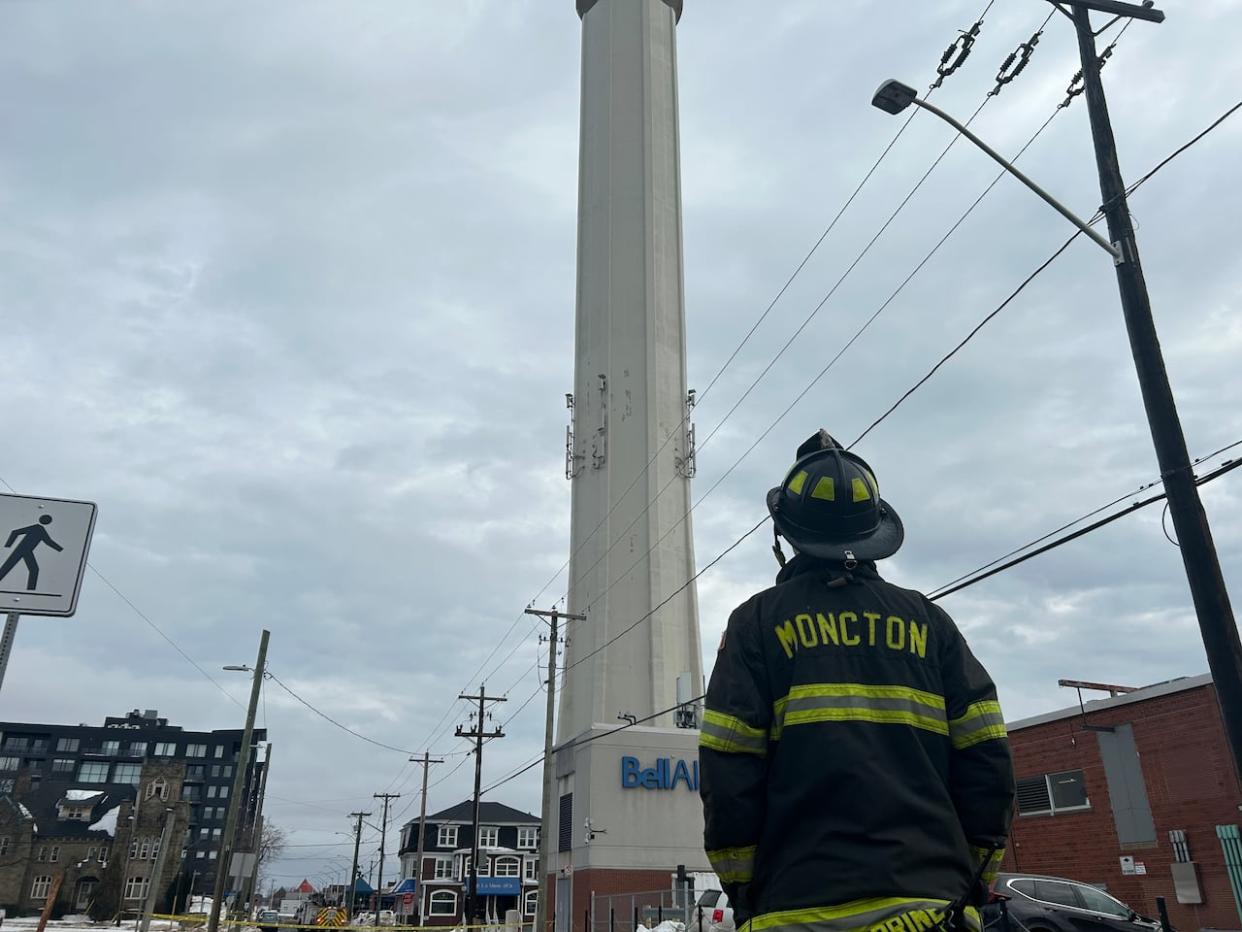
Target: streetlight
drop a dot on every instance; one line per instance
(1202, 564)
(894, 97)
(239, 777)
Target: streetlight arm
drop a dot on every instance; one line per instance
(1056, 205)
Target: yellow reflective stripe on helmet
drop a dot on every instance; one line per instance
(730, 735)
(893, 914)
(859, 702)
(733, 865)
(982, 721)
(825, 489)
(861, 492)
(798, 481)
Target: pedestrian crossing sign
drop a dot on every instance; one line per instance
(43, 548)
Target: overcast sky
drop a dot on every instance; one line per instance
(288, 289)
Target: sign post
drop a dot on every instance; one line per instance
(46, 541)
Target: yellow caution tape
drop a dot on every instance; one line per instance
(198, 919)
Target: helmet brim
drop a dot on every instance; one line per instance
(883, 542)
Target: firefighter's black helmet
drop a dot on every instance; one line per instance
(829, 506)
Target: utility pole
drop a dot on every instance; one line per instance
(422, 832)
(1203, 573)
(478, 734)
(256, 830)
(543, 901)
(353, 870)
(153, 886)
(379, 887)
(239, 777)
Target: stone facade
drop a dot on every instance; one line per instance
(101, 869)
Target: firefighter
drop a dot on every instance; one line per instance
(856, 773)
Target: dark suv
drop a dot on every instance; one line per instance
(1054, 904)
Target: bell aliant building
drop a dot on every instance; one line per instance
(626, 805)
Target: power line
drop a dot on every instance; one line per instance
(328, 718)
(1091, 514)
(1039, 270)
(1061, 541)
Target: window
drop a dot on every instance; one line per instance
(191, 793)
(62, 765)
(1051, 891)
(528, 838)
(126, 773)
(530, 869)
(6, 786)
(39, 889)
(215, 771)
(93, 772)
(196, 750)
(443, 903)
(530, 901)
(4, 845)
(10, 763)
(41, 855)
(224, 792)
(219, 750)
(103, 854)
(199, 854)
(1100, 902)
(227, 770)
(443, 869)
(489, 836)
(506, 867)
(67, 745)
(54, 855)
(138, 748)
(110, 747)
(1051, 793)
(211, 792)
(17, 744)
(195, 772)
(216, 833)
(166, 749)
(135, 888)
(212, 855)
(144, 849)
(447, 837)
(157, 787)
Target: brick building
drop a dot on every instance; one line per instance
(1129, 795)
(508, 861)
(40, 763)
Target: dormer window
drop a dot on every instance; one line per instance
(157, 787)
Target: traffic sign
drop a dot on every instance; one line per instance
(43, 554)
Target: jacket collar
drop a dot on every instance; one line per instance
(801, 565)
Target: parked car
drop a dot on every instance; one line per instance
(267, 920)
(713, 906)
(1055, 904)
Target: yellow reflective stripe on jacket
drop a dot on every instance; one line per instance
(859, 702)
(994, 859)
(721, 732)
(982, 721)
(733, 865)
(893, 914)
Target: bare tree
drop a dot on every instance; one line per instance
(272, 843)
